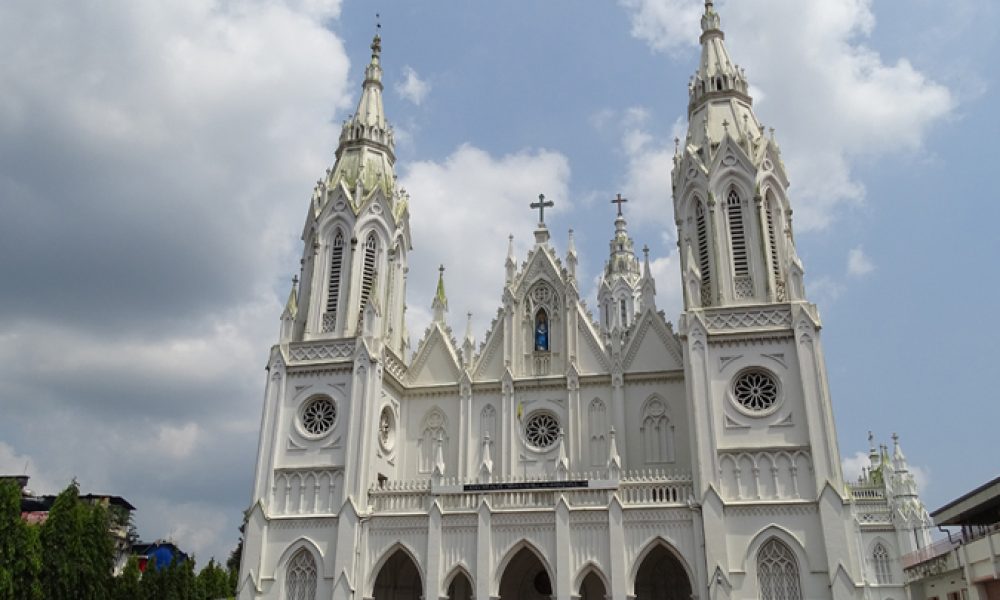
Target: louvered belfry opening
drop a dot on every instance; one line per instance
(704, 263)
(743, 285)
(368, 273)
(333, 283)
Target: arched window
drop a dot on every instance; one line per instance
(300, 578)
(541, 331)
(704, 264)
(434, 428)
(657, 432)
(598, 422)
(368, 273)
(881, 565)
(777, 572)
(738, 243)
(623, 309)
(333, 283)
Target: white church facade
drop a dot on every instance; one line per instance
(568, 455)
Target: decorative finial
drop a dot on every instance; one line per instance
(677, 145)
(619, 201)
(377, 40)
(725, 125)
(295, 280)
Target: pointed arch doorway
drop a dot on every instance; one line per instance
(661, 576)
(460, 587)
(526, 578)
(398, 579)
(592, 588)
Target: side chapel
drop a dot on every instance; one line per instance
(568, 456)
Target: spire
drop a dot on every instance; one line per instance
(292, 304)
(511, 262)
(366, 151)
(648, 284)
(716, 82)
(571, 256)
(440, 303)
(290, 312)
(468, 344)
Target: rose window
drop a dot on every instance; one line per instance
(541, 430)
(756, 390)
(319, 415)
(387, 429)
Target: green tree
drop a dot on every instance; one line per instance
(20, 552)
(127, 585)
(77, 548)
(213, 582)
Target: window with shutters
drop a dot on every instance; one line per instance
(738, 243)
(300, 579)
(333, 282)
(773, 229)
(368, 272)
(704, 264)
(881, 564)
(777, 572)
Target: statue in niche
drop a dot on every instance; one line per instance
(541, 332)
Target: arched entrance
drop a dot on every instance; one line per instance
(398, 579)
(525, 578)
(460, 587)
(592, 588)
(661, 576)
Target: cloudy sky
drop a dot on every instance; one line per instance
(156, 161)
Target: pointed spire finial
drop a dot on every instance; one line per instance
(377, 40)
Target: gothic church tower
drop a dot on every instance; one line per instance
(767, 451)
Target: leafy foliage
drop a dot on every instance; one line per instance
(79, 552)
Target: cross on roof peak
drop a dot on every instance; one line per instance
(540, 205)
(619, 201)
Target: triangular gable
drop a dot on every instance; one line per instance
(436, 360)
(653, 346)
(730, 155)
(590, 352)
(489, 365)
(540, 266)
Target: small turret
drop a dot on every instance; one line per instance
(619, 289)
(440, 303)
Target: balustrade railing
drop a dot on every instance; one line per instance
(638, 488)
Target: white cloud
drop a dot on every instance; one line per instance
(159, 145)
(854, 465)
(834, 100)
(177, 442)
(463, 210)
(858, 263)
(667, 274)
(413, 88)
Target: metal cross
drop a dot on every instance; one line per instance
(540, 205)
(619, 201)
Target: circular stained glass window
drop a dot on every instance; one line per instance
(756, 390)
(319, 415)
(541, 430)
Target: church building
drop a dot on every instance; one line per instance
(568, 455)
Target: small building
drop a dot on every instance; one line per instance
(161, 554)
(964, 565)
